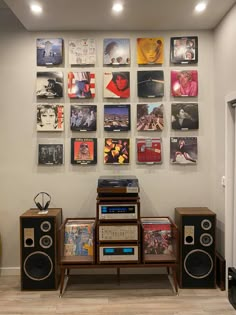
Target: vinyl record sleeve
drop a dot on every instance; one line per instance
(150, 51)
(82, 51)
(150, 117)
(50, 154)
(117, 151)
(81, 84)
(150, 83)
(83, 117)
(83, 151)
(117, 84)
(184, 50)
(184, 116)
(50, 117)
(49, 51)
(183, 150)
(148, 150)
(49, 85)
(116, 51)
(117, 117)
(184, 83)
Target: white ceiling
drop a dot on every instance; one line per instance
(96, 15)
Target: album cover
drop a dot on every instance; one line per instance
(49, 51)
(184, 116)
(150, 117)
(183, 150)
(49, 84)
(83, 117)
(184, 83)
(117, 151)
(149, 150)
(79, 238)
(83, 151)
(151, 83)
(117, 117)
(184, 50)
(157, 237)
(82, 51)
(50, 154)
(150, 50)
(81, 84)
(50, 117)
(116, 84)
(116, 51)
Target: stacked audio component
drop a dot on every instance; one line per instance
(39, 234)
(118, 213)
(197, 248)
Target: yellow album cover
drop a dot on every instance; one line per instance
(150, 51)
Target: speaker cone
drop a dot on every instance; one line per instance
(198, 264)
(38, 266)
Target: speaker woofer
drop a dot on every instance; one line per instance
(198, 264)
(38, 266)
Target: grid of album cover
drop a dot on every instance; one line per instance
(77, 84)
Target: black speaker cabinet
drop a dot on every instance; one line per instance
(197, 252)
(39, 244)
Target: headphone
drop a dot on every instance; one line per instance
(42, 206)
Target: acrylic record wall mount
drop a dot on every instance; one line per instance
(183, 150)
(184, 83)
(82, 51)
(150, 117)
(150, 83)
(49, 51)
(117, 84)
(83, 117)
(184, 50)
(50, 154)
(50, 117)
(150, 51)
(117, 117)
(184, 116)
(148, 150)
(116, 51)
(83, 151)
(49, 84)
(117, 151)
(81, 84)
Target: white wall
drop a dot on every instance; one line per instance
(225, 83)
(163, 187)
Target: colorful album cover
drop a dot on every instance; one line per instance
(50, 154)
(83, 117)
(79, 238)
(184, 83)
(150, 117)
(50, 117)
(116, 51)
(150, 50)
(184, 50)
(49, 85)
(49, 51)
(183, 150)
(184, 116)
(157, 238)
(117, 117)
(81, 84)
(116, 84)
(82, 51)
(149, 150)
(117, 151)
(83, 151)
(151, 83)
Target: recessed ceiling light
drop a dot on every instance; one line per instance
(200, 7)
(36, 8)
(117, 7)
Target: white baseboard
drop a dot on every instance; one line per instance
(9, 271)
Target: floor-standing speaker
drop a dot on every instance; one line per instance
(197, 252)
(39, 243)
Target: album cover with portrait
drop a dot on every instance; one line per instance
(49, 85)
(117, 151)
(116, 51)
(184, 50)
(49, 51)
(150, 51)
(50, 117)
(117, 84)
(83, 117)
(150, 117)
(117, 117)
(184, 116)
(150, 83)
(184, 83)
(50, 154)
(82, 51)
(148, 150)
(81, 84)
(183, 150)
(83, 151)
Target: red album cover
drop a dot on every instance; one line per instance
(81, 84)
(149, 150)
(184, 83)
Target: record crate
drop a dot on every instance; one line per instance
(159, 240)
(77, 241)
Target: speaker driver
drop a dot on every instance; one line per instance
(45, 241)
(206, 224)
(38, 266)
(198, 264)
(206, 239)
(45, 226)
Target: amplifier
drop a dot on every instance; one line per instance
(118, 232)
(118, 253)
(118, 211)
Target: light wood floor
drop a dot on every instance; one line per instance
(108, 302)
